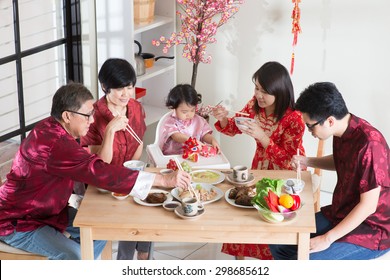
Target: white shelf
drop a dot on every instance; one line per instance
(158, 21)
(153, 113)
(157, 69)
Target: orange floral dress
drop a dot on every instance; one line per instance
(285, 138)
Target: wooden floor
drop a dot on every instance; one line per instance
(7, 153)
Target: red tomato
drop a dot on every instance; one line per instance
(297, 202)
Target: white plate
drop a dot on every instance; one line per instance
(208, 187)
(144, 203)
(179, 211)
(250, 180)
(232, 202)
(215, 180)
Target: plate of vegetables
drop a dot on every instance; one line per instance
(274, 206)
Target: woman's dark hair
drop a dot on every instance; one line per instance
(322, 100)
(182, 93)
(116, 73)
(69, 97)
(275, 80)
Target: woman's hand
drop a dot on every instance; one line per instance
(220, 113)
(254, 130)
(117, 123)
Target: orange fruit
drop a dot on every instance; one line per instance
(286, 201)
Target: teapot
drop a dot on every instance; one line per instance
(139, 61)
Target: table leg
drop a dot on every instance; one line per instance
(303, 246)
(107, 252)
(86, 243)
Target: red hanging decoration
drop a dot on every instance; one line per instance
(296, 28)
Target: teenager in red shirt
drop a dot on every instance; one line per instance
(356, 226)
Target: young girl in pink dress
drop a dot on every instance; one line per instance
(184, 123)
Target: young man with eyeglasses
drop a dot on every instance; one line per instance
(34, 200)
(356, 225)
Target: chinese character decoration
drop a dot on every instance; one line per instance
(296, 28)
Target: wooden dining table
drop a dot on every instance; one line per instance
(102, 217)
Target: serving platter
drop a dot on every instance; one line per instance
(232, 201)
(144, 203)
(207, 176)
(176, 192)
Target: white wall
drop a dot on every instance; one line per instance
(346, 42)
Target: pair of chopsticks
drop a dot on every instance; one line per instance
(235, 112)
(190, 186)
(298, 168)
(130, 130)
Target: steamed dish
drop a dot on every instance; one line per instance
(204, 176)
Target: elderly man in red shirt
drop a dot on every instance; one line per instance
(356, 226)
(34, 208)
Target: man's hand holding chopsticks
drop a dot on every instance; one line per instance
(176, 179)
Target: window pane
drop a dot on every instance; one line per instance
(7, 46)
(41, 22)
(43, 74)
(9, 112)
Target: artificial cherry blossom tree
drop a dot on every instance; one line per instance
(200, 20)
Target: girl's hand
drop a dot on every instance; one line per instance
(220, 113)
(215, 144)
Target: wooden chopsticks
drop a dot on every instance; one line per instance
(235, 112)
(130, 130)
(190, 186)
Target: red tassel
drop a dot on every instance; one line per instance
(292, 63)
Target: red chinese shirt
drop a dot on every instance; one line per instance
(362, 160)
(124, 145)
(285, 138)
(42, 176)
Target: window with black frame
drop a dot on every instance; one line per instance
(40, 50)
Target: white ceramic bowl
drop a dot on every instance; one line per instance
(293, 186)
(240, 120)
(119, 196)
(102, 190)
(276, 217)
(135, 165)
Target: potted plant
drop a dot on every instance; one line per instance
(200, 20)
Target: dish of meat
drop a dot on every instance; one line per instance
(240, 196)
(207, 193)
(155, 197)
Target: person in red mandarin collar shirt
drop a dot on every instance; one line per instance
(34, 208)
(356, 226)
(278, 130)
(106, 136)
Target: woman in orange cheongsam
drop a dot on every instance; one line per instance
(278, 130)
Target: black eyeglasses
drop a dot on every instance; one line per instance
(88, 116)
(310, 127)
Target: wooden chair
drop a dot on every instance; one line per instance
(8, 252)
(317, 178)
